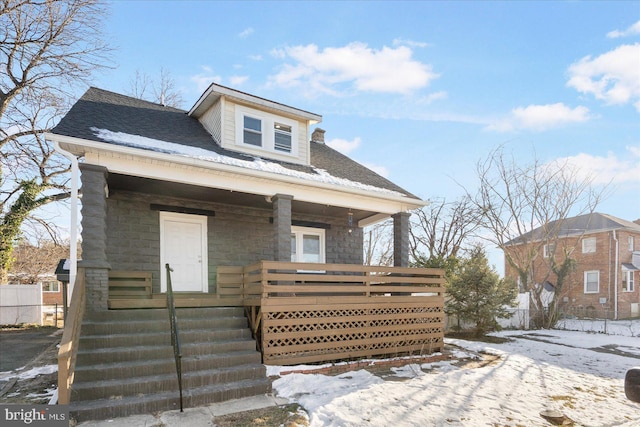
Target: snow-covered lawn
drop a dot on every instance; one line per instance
(578, 374)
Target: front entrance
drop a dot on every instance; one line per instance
(183, 245)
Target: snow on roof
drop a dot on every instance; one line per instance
(258, 164)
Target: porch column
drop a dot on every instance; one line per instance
(401, 239)
(94, 236)
(282, 227)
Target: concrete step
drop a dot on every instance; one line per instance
(133, 386)
(162, 313)
(162, 338)
(101, 409)
(131, 326)
(142, 368)
(149, 352)
(125, 363)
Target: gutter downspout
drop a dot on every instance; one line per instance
(73, 230)
(615, 278)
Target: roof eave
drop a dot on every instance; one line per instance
(72, 144)
(215, 91)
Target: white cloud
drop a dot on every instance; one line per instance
(540, 117)
(433, 97)
(612, 77)
(365, 69)
(631, 31)
(255, 57)
(204, 79)
(610, 168)
(238, 80)
(246, 33)
(410, 43)
(344, 146)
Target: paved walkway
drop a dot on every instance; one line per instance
(191, 417)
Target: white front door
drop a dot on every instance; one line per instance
(183, 245)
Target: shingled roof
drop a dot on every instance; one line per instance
(578, 225)
(101, 109)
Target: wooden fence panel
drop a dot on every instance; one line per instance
(304, 313)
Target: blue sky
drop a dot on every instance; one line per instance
(419, 91)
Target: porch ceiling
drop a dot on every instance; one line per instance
(119, 182)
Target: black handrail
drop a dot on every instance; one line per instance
(175, 336)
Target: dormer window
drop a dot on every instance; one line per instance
(282, 137)
(263, 131)
(252, 131)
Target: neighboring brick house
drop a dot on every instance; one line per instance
(606, 250)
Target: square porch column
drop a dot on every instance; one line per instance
(282, 227)
(401, 239)
(94, 236)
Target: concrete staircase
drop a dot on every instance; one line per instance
(126, 366)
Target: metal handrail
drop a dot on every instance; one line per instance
(175, 336)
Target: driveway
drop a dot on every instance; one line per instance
(19, 347)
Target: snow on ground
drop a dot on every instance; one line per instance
(579, 374)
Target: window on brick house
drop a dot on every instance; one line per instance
(630, 243)
(591, 282)
(589, 245)
(628, 284)
(51, 286)
(548, 250)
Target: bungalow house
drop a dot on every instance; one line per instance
(606, 251)
(258, 230)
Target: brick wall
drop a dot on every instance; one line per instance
(236, 235)
(573, 296)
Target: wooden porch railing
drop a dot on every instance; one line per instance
(70, 338)
(305, 313)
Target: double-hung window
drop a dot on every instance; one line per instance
(628, 281)
(589, 245)
(630, 243)
(252, 131)
(51, 286)
(267, 132)
(591, 282)
(282, 137)
(307, 245)
(548, 250)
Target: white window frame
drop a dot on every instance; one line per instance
(630, 243)
(268, 124)
(545, 250)
(51, 281)
(589, 245)
(300, 232)
(586, 275)
(253, 131)
(628, 284)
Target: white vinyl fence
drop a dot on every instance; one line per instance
(20, 304)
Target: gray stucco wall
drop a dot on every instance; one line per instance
(236, 235)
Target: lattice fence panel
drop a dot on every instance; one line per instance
(293, 334)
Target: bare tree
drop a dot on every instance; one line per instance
(47, 49)
(33, 261)
(162, 92)
(378, 244)
(516, 200)
(440, 230)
